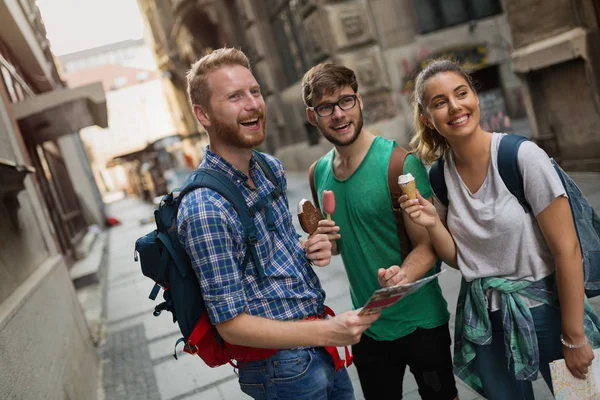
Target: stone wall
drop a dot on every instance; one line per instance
(385, 55)
(558, 60)
(46, 351)
(45, 347)
(571, 117)
(535, 20)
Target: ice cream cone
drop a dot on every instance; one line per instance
(408, 185)
(410, 189)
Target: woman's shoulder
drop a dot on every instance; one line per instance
(530, 154)
(527, 151)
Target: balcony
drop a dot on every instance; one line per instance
(23, 32)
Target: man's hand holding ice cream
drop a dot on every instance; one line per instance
(318, 245)
(318, 250)
(329, 228)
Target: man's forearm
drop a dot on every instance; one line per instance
(252, 331)
(419, 261)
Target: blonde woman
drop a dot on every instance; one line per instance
(517, 266)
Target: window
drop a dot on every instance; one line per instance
(433, 15)
(286, 24)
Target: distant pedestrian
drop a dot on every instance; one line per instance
(414, 332)
(284, 308)
(517, 266)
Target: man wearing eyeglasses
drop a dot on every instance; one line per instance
(414, 332)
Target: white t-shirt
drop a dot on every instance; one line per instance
(493, 234)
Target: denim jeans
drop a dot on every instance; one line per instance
(296, 375)
(490, 360)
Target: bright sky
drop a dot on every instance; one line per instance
(75, 25)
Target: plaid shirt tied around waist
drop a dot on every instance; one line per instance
(212, 235)
(473, 326)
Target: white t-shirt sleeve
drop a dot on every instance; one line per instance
(540, 180)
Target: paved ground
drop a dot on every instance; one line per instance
(137, 355)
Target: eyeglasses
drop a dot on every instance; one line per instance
(326, 109)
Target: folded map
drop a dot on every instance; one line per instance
(567, 387)
(386, 297)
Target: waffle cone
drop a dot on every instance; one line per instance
(410, 189)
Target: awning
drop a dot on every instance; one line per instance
(152, 147)
(127, 157)
(62, 112)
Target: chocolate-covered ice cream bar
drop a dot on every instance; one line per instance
(309, 216)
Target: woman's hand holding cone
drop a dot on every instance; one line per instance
(420, 211)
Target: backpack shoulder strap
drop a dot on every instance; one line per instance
(508, 167)
(437, 180)
(311, 180)
(395, 168)
(220, 183)
(266, 167)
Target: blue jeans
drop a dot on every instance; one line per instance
(307, 374)
(490, 360)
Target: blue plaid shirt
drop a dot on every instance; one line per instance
(211, 233)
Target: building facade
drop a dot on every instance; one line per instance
(384, 41)
(46, 349)
(557, 57)
(124, 157)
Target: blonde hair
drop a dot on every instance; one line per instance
(427, 143)
(197, 85)
(324, 79)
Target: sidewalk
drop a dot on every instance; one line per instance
(137, 356)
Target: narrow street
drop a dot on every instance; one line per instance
(137, 356)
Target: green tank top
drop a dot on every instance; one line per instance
(369, 239)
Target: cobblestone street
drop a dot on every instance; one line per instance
(137, 356)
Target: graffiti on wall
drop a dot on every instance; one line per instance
(472, 57)
(494, 115)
